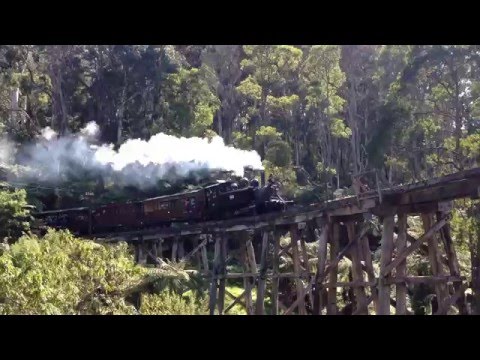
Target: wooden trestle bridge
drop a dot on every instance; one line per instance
(254, 243)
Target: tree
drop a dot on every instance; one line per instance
(14, 214)
(61, 274)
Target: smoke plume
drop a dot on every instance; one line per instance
(136, 163)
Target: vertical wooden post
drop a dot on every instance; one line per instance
(296, 267)
(213, 284)
(435, 261)
(153, 245)
(160, 248)
(357, 273)
(401, 289)
(174, 249)
(142, 254)
(303, 246)
(260, 308)
(367, 255)
(332, 291)
(453, 263)
(274, 297)
(252, 265)
(181, 249)
(198, 259)
(246, 280)
(205, 259)
(383, 305)
(321, 262)
(251, 257)
(223, 271)
(306, 265)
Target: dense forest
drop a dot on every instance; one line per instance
(316, 115)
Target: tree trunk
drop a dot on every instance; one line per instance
(475, 268)
(59, 113)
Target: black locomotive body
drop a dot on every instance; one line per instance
(219, 201)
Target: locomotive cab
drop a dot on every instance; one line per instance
(225, 199)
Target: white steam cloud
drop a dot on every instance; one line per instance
(137, 162)
(6, 151)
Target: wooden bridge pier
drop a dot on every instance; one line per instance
(256, 248)
(315, 277)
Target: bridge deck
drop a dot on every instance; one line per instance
(412, 198)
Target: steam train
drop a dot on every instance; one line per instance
(218, 201)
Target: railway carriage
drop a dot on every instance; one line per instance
(218, 201)
(117, 216)
(183, 207)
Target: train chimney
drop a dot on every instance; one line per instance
(248, 172)
(262, 178)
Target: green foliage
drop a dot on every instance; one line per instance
(192, 105)
(242, 140)
(410, 111)
(279, 153)
(170, 303)
(323, 76)
(60, 274)
(324, 173)
(250, 88)
(339, 130)
(285, 176)
(14, 214)
(267, 134)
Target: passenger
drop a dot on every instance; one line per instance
(254, 183)
(234, 186)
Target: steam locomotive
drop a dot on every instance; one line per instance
(218, 201)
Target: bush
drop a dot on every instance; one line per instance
(170, 303)
(14, 214)
(61, 274)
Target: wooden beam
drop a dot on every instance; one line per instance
(174, 249)
(204, 256)
(213, 284)
(321, 261)
(357, 273)
(368, 268)
(296, 266)
(247, 284)
(251, 256)
(303, 246)
(383, 305)
(332, 292)
(197, 248)
(305, 264)
(236, 300)
(181, 249)
(452, 263)
(285, 250)
(449, 301)
(448, 191)
(435, 259)
(298, 301)
(222, 239)
(409, 250)
(401, 244)
(270, 275)
(274, 294)
(260, 308)
(414, 208)
(354, 284)
(160, 248)
(431, 280)
(154, 253)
